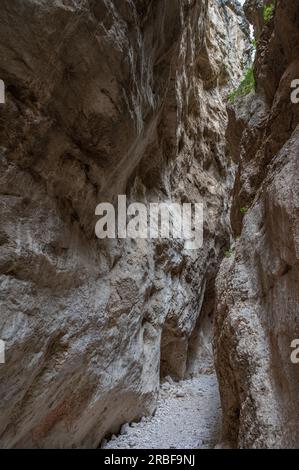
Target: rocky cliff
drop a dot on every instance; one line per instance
(257, 287)
(105, 98)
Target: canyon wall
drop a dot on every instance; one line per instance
(257, 287)
(103, 98)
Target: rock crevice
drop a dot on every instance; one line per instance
(257, 288)
(106, 98)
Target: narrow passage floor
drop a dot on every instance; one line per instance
(188, 416)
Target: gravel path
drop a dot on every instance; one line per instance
(188, 416)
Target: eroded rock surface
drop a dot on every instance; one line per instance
(105, 98)
(257, 288)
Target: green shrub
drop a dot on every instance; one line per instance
(243, 210)
(245, 87)
(228, 253)
(268, 11)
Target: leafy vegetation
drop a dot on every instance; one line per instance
(228, 253)
(245, 87)
(243, 210)
(268, 11)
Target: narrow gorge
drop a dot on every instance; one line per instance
(124, 342)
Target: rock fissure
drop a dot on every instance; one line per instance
(107, 98)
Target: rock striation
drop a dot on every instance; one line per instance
(257, 287)
(104, 98)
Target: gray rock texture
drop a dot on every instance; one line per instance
(257, 287)
(103, 98)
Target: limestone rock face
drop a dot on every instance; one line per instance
(105, 98)
(257, 287)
